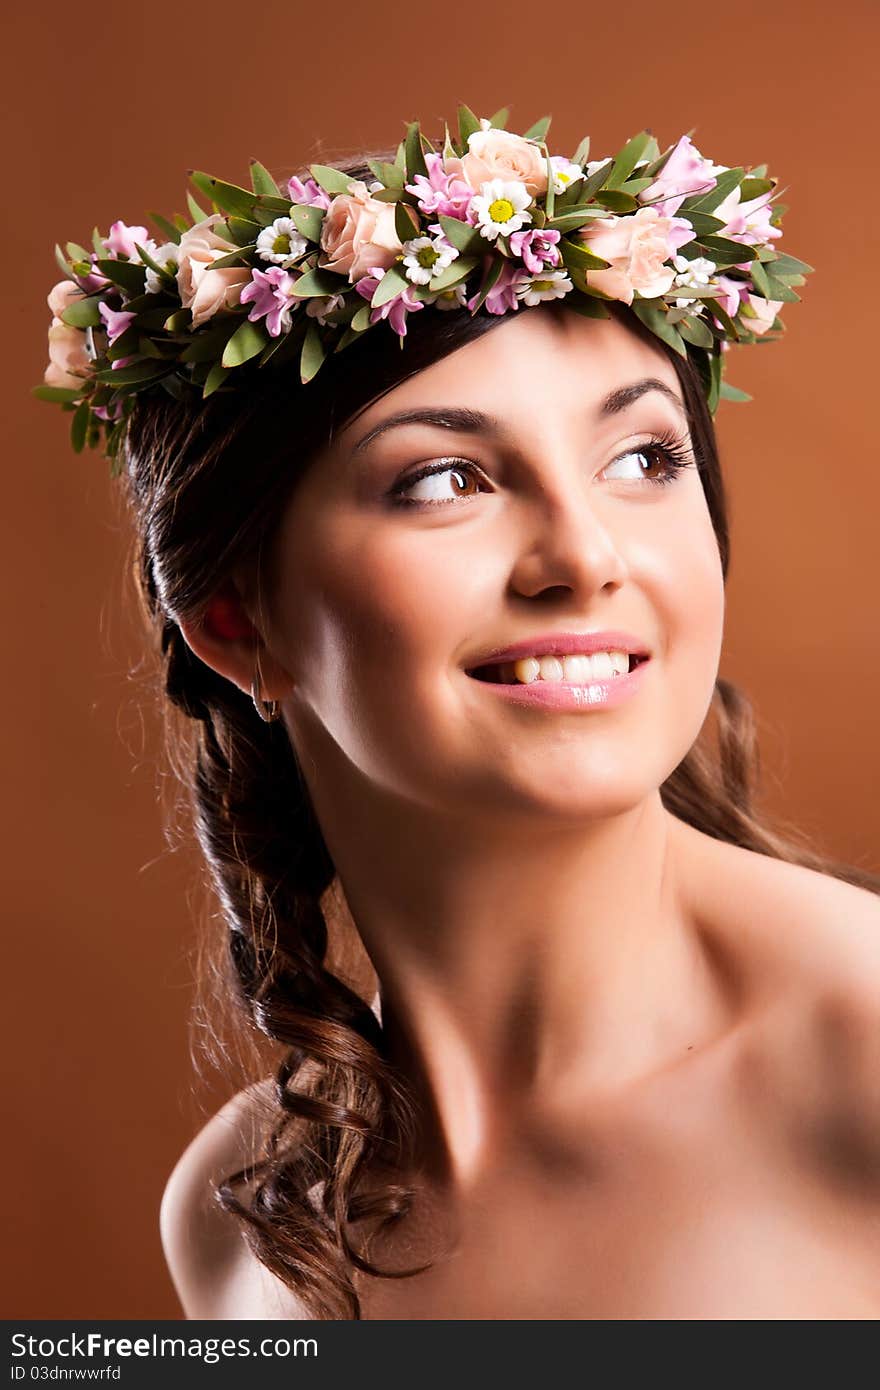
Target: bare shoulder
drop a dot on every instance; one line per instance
(792, 927)
(211, 1266)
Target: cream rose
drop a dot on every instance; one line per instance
(358, 234)
(637, 246)
(69, 360)
(498, 154)
(765, 312)
(202, 289)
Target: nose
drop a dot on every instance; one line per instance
(567, 546)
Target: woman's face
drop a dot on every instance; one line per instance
(542, 515)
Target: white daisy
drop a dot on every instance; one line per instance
(500, 207)
(565, 173)
(453, 298)
(281, 243)
(425, 257)
(552, 284)
(167, 257)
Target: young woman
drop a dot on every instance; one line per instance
(446, 623)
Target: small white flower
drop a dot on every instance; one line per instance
(694, 307)
(592, 165)
(694, 274)
(500, 207)
(317, 306)
(552, 284)
(565, 174)
(167, 257)
(281, 243)
(425, 257)
(453, 298)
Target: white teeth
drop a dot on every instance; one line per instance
(575, 670)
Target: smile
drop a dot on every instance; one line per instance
(578, 682)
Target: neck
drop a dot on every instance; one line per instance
(526, 965)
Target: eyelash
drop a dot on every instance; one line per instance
(673, 448)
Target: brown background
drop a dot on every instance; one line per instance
(108, 106)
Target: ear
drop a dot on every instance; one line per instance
(227, 641)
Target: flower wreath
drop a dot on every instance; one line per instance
(490, 221)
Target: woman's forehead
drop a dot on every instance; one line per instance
(533, 358)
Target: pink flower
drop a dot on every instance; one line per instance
(270, 294)
(441, 192)
(685, 171)
(203, 290)
(747, 222)
(735, 291)
(122, 241)
(537, 248)
(394, 310)
(765, 312)
(307, 193)
(499, 154)
(502, 296)
(637, 245)
(358, 234)
(108, 412)
(61, 296)
(115, 321)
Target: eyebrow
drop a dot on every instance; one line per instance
(476, 421)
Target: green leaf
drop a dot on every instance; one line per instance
(759, 279)
(693, 330)
(716, 367)
(262, 181)
(242, 230)
(785, 265)
(82, 313)
(570, 220)
(132, 375)
(538, 131)
(706, 202)
(732, 393)
(77, 252)
(779, 290)
(655, 319)
(247, 340)
(468, 123)
(550, 196)
(500, 119)
(319, 282)
(79, 426)
(215, 378)
(635, 186)
(415, 159)
(168, 229)
(196, 211)
(464, 238)
(60, 395)
(64, 263)
(331, 180)
(128, 275)
(454, 273)
(312, 354)
(308, 221)
(360, 319)
(724, 252)
(489, 280)
(228, 197)
(405, 226)
(575, 253)
(616, 201)
(237, 257)
(581, 155)
(704, 224)
(627, 159)
(753, 188)
(148, 261)
(592, 185)
(392, 282)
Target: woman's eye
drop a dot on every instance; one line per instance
(438, 483)
(657, 462)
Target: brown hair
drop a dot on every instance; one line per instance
(207, 483)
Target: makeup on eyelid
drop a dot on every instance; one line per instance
(673, 448)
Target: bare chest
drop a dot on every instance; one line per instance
(701, 1204)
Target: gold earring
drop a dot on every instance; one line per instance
(268, 710)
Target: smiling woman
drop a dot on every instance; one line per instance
(446, 626)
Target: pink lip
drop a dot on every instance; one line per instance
(561, 695)
(565, 644)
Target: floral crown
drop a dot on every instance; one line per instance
(490, 221)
